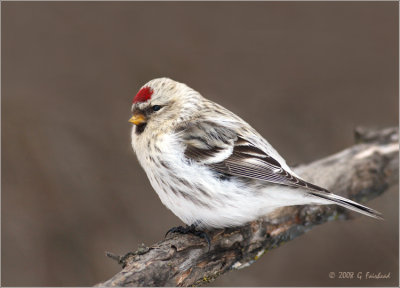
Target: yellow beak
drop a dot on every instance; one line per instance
(138, 119)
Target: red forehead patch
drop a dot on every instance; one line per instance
(143, 95)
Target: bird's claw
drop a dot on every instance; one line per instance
(190, 230)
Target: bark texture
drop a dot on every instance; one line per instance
(360, 172)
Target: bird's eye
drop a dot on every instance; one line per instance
(156, 107)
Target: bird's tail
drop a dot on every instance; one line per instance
(346, 203)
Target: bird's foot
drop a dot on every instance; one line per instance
(190, 230)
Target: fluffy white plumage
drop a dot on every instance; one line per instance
(210, 167)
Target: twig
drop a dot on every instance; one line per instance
(360, 172)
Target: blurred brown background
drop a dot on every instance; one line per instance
(303, 74)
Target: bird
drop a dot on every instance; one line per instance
(209, 166)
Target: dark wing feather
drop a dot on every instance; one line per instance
(206, 140)
(249, 161)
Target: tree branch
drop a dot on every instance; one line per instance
(360, 172)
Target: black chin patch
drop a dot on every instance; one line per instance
(140, 128)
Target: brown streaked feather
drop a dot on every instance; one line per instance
(204, 140)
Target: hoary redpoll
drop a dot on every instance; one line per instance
(210, 167)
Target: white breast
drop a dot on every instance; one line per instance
(194, 193)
